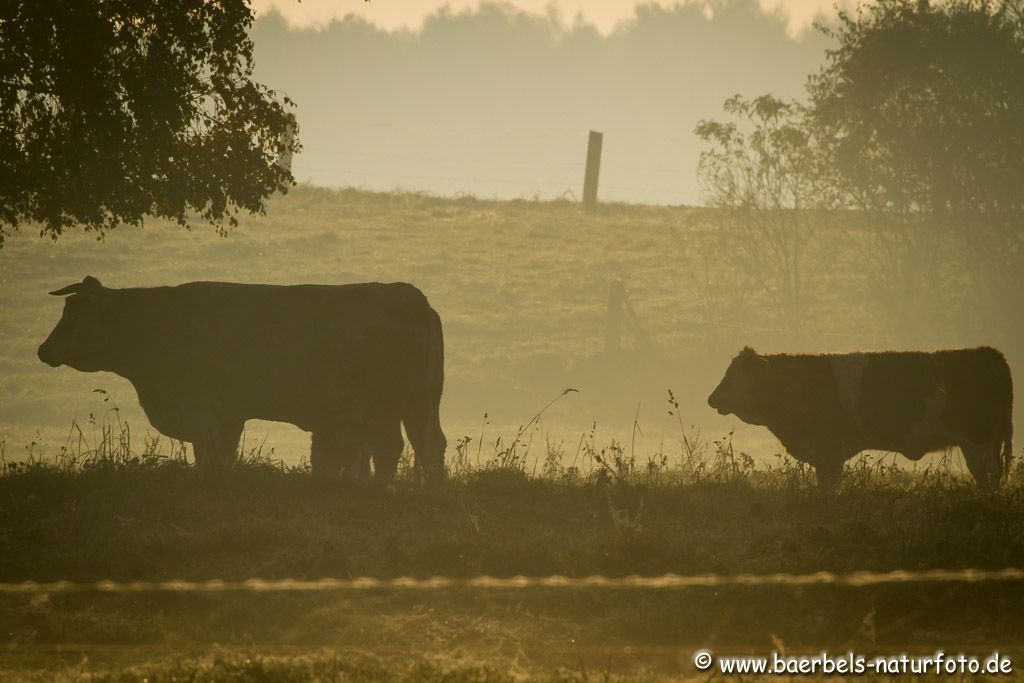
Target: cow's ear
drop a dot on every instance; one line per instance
(87, 285)
(70, 289)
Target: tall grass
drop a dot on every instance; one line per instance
(105, 442)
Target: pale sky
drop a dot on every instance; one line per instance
(605, 14)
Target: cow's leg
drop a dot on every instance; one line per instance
(326, 456)
(356, 458)
(984, 463)
(337, 451)
(217, 447)
(428, 442)
(385, 439)
(828, 471)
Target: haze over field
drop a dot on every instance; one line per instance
(497, 102)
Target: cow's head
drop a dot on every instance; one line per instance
(80, 339)
(739, 391)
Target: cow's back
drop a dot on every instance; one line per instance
(980, 392)
(292, 353)
(930, 400)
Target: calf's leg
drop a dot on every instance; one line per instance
(335, 451)
(984, 463)
(385, 439)
(828, 471)
(428, 442)
(216, 447)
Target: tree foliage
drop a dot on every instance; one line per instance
(920, 108)
(923, 105)
(764, 167)
(113, 110)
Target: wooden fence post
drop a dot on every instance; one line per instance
(621, 315)
(613, 321)
(593, 169)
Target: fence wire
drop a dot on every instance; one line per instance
(665, 581)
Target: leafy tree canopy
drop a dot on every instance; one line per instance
(764, 159)
(764, 166)
(923, 106)
(113, 110)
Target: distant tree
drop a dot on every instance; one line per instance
(112, 110)
(921, 111)
(764, 168)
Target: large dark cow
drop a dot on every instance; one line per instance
(349, 363)
(826, 409)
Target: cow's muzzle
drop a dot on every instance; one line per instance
(47, 355)
(715, 402)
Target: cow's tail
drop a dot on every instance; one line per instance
(1008, 437)
(433, 385)
(1007, 430)
(1008, 446)
(422, 419)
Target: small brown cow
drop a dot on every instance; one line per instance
(827, 408)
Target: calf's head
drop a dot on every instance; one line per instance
(740, 391)
(80, 339)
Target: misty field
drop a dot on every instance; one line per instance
(617, 478)
(522, 288)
